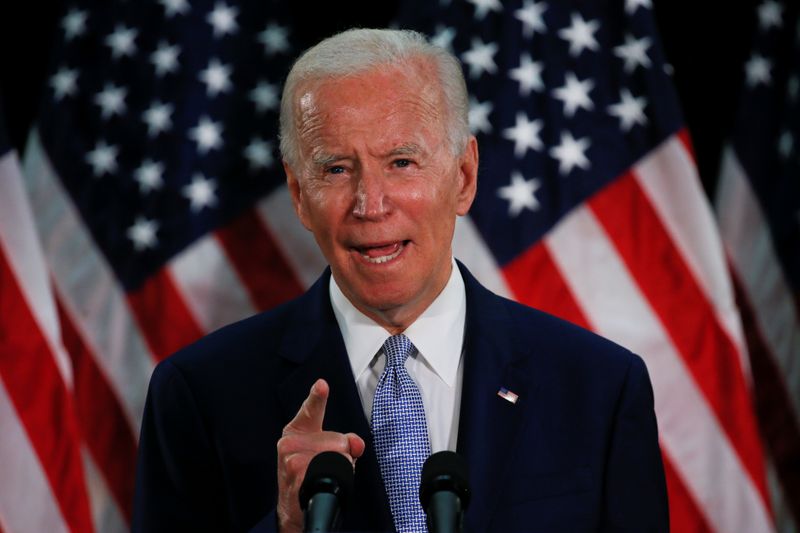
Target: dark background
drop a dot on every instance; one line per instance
(707, 48)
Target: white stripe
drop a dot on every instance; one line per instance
(470, 248)
(669, 179)
(295, 242)
(27, 503)
(18, 238)
(91, 296)
(210, 287)
(749, 244)
(106, 515)
(689, 430)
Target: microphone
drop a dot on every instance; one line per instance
(325, 490)
(444, 492)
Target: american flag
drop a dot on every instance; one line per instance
(758, 210)
(157, 195)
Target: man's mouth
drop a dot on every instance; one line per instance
(381, 253)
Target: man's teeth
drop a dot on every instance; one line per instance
(383, 258)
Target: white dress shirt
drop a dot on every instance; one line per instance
(436, 366)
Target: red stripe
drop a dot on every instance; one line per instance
(536, 281)
(684, 514)
(776, 417)
(163, 316)
(42, 402)
(261, 266)
(688, 317)
(106, 430)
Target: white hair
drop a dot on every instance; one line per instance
(357, 50)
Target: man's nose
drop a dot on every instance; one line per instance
(370, 195)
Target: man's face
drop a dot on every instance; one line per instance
(379, 186)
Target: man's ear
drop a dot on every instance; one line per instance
(297, 197)
(468, 176)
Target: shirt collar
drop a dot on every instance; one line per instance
(438, 333)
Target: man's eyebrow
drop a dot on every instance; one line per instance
(322, 159)
(406, 149)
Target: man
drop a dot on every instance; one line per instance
(379, 162)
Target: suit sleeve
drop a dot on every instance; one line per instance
(179, 486)
(635, 487)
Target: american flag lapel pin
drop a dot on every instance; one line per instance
(507, 395)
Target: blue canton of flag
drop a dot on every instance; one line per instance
(161, 120)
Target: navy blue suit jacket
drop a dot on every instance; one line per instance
(578, 451)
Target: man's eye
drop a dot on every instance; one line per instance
(335, 170)
(402, 163)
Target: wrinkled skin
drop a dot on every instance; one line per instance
(379, 186)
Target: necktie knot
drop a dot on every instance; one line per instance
(397, 349)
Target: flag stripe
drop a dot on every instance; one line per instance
(90, 293)
(259, 262)
(106, 515)
(668, 177)
(684, 515)
(163, 316)
(45, 410)
(536, 281)
(691, 434)
(27, 502)
(106, 430)
(663, 277)
(471, 249)
(749, 243)
(774, 406)
(295, 242)
(209, 285)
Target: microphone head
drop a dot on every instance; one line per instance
(444, 470)
(328, 472)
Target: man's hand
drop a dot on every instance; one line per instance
(303, 438)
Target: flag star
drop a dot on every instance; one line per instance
(265, 96)
(103, 159)
(634, 52)
(480, 58)
(64, 82)
(223, 19)
(632, 5)
(207, 135)
(216, 77)
(259, 154)
(111, 101)
(571, 153)
(770, 15)
(530, 14)
(275, 39)
(758, 70)
(122, 42)
(580, 35)
(143, 234)
(443, 37)
(785, 144)
(575, 94)
(528, 74)
(149, 176)
(629, 110)
(525, 134)
(157, 117)
(74, 24)
(175, 7)
(482, 7)
(479, 116)
(520, 194)
(200, 193)
(165, 58)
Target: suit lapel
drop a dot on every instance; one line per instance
(314, 343)
(488, 424)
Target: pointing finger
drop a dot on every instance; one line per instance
(309, 417)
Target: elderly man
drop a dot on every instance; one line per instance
(396, 351)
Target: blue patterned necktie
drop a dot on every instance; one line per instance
(401, 435)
